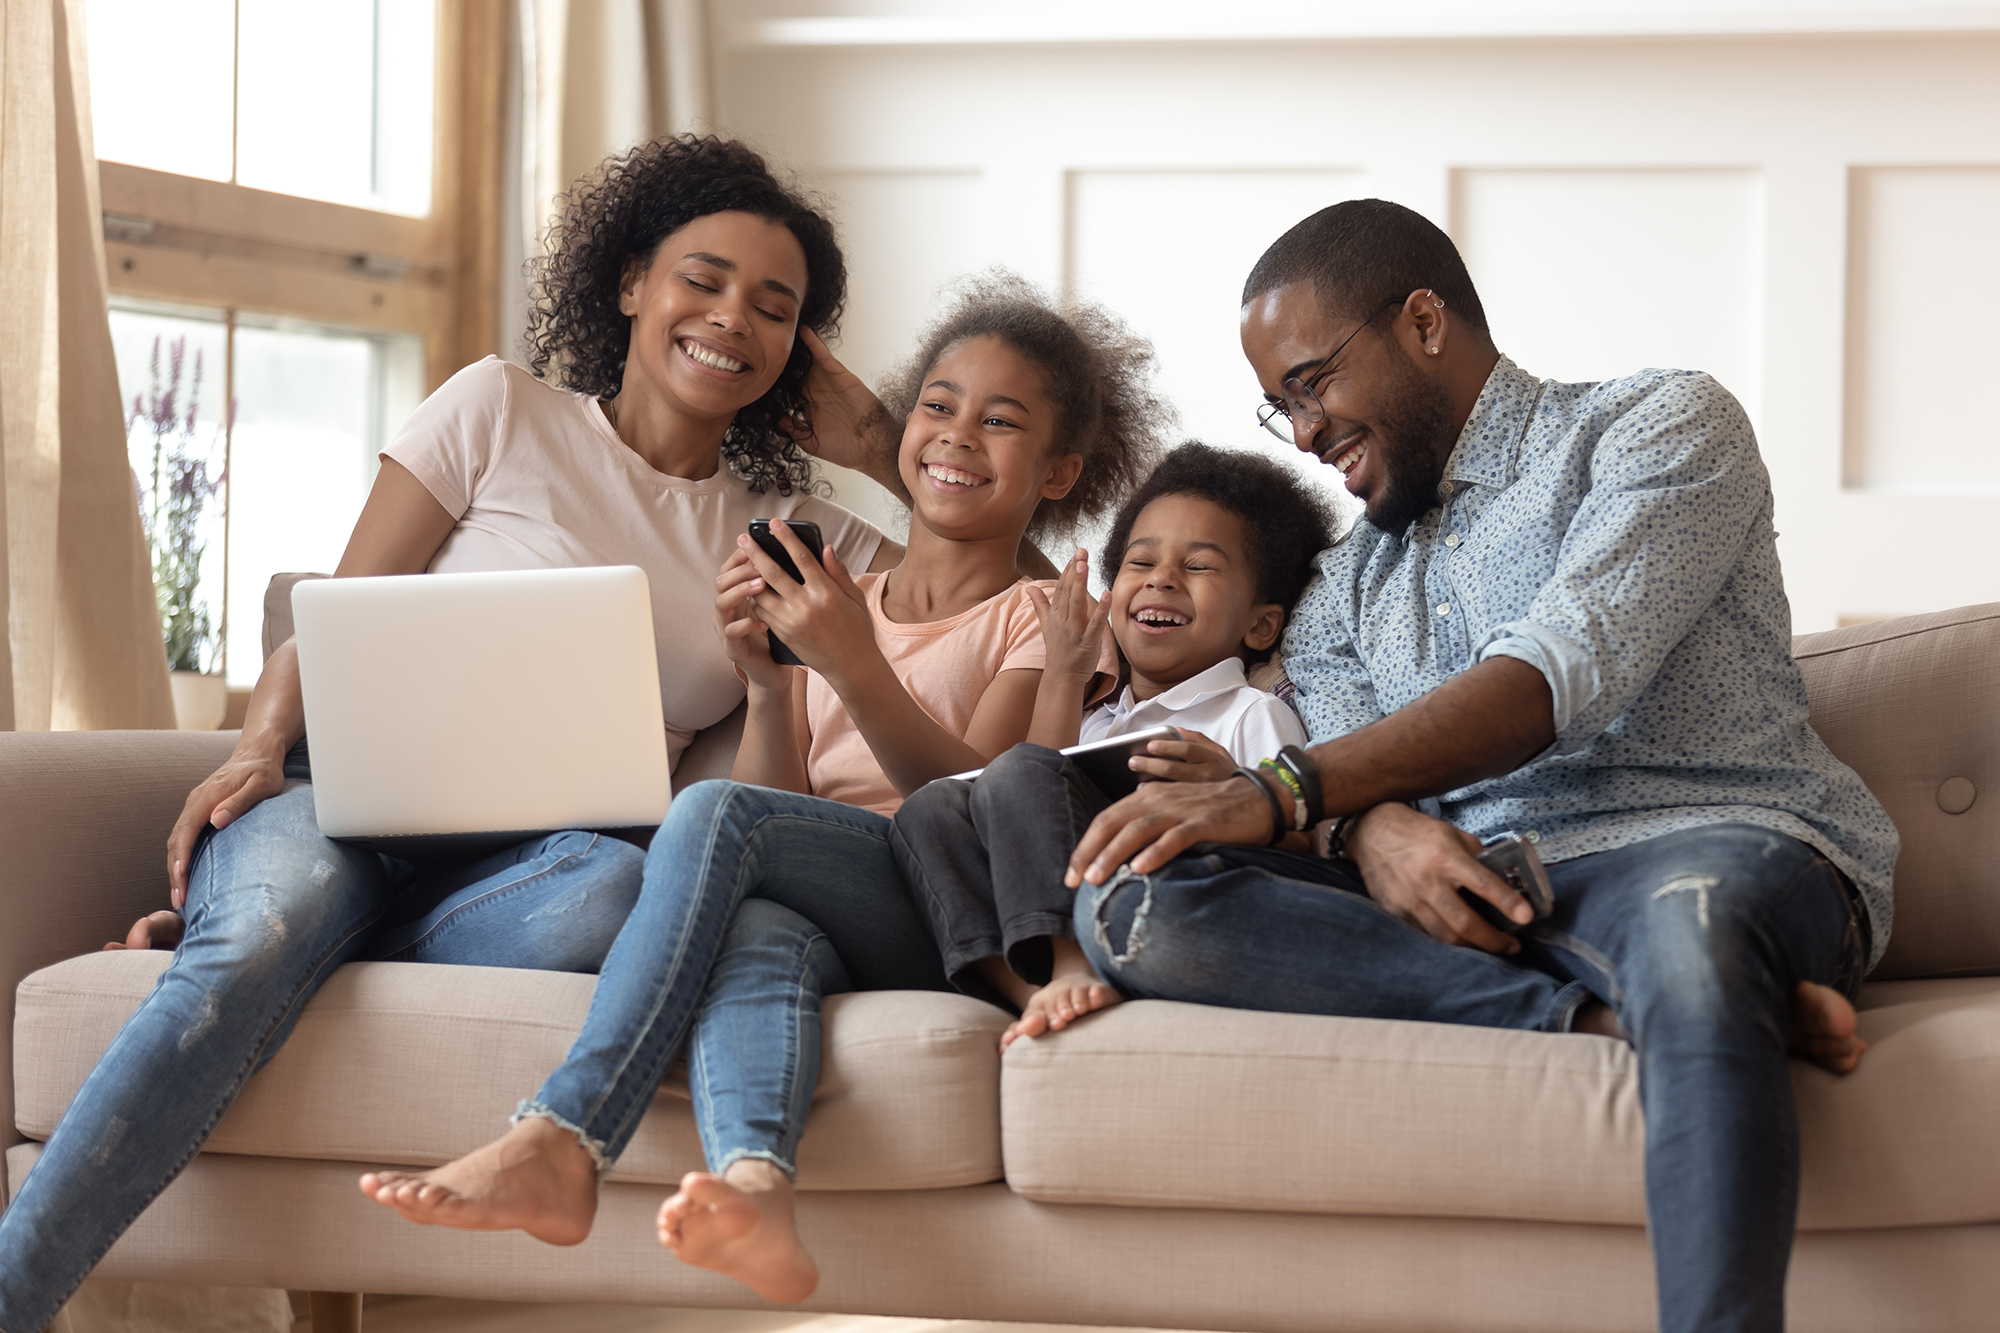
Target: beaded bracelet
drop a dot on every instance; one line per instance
(1278, 820)
(1300, 765)
(1292, 784)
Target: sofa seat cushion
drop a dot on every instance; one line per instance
(414, 1064)
(1158, 1104)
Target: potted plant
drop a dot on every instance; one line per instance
(172, 498)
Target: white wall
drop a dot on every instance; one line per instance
(1811, 216)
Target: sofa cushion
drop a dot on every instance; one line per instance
(414, 1064)
(1179, 1105)
(1910, 705)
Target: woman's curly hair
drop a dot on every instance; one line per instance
(1096, 372)
(617, 216)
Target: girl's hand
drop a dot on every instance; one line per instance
(824, 619)
(1072, 623)
(744, 637)
(846, 423)
(1192, 758)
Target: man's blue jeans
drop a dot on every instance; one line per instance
(272, 909)
(756, 904)
(1696, 939)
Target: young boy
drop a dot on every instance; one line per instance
(1205, 561)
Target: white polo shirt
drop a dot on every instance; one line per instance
(1219, 703)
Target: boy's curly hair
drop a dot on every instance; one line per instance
(618, 215)
(1285, 522)
(1096, 372)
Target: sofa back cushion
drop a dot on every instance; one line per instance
(1913, 706)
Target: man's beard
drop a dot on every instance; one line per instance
(1412, 432)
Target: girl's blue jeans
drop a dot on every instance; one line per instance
(756, 904)
(272, 909)
(1696, 939)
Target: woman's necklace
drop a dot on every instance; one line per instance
(611, 410)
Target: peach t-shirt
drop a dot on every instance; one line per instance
(537, 479)
(946, 666)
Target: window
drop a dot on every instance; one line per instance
(302, 199)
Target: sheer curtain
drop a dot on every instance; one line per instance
(587, 78)
(82, 648)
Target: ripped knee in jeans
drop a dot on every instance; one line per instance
(1135, 931)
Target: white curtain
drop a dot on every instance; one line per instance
(587, 78)
(82, 648)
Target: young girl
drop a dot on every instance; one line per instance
(1205, 561)
(758, 900)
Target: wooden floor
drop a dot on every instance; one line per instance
(425, 1314)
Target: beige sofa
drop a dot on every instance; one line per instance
(1161, 1164)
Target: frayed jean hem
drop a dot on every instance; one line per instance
(735, 1155)
(600, 1152)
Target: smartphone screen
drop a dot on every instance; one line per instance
(809, 536)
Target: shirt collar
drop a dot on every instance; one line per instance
(1224, 675)
(1490, 444)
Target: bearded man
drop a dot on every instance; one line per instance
(1562, 615)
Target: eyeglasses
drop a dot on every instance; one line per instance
(1300, 411)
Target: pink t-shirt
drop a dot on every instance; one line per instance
(537, 479)
(946, 666)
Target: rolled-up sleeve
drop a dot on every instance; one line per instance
(1676, 486)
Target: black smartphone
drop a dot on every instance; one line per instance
(1514, 859)
(808, 534)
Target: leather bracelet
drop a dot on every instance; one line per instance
(1336, 837)
(1300, 765)
(1278, 820)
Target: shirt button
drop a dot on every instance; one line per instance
(1533, 835)
(1444, 608)
(1451, 540)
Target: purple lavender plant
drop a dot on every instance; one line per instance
(171, 506)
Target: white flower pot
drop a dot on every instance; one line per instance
(199, 700)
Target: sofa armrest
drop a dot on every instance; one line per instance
(84, 817)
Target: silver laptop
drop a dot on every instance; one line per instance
(452, 714)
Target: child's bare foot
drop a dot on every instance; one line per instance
(1825, 1028)
(158, 930)
(535, 1178)
(1074, 990)
(740, 1224)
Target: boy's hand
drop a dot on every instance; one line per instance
(1072, 622)
(1192, 758)
(823, 619)
(744, 636)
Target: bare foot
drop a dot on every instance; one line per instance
(1825, 1028)
(160, 930)
(740, 1224)
(534, 1178)
(1074, 990)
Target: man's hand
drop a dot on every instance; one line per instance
(1163, 819)
(1192, 758)
(1415, 866)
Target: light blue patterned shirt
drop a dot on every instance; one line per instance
(1617, 537)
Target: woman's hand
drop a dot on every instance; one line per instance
(744, 636)
(823, 619)
(1072, 623)
(846, 424)
(225, 797)
(1192, 758)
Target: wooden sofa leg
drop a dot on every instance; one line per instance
(335, 1311)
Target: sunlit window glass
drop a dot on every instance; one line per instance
(330, 100)
(314, 408)
(160, 83)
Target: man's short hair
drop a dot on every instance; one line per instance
(1360, 253)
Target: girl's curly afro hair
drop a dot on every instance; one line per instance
(617, 216)
(1096, 371)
